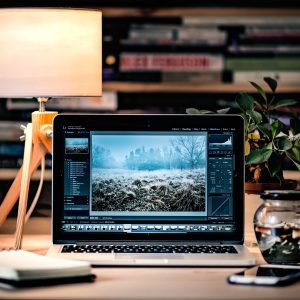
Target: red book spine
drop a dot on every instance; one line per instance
(170, 62)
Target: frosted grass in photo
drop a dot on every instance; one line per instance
(148, 173)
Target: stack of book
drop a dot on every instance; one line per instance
(160, 52)
(266, 47)
(202, 49)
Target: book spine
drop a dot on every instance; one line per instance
(10, 131)
(282, 77)
(150, 33)
(193, 42)
(272, 33)
(243, 20)
(192, 77)
(166, 34)
(263, 64)
(180, 77)
(183, 62)
(176, 33)
(264, 49)
(201, 34)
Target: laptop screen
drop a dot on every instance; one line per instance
(175, 180)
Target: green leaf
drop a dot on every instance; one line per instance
(280, 134)
(223, 110)
(260, 90)
(251, 128)
(284, 144)
(246, 119)
(293, 159)
(192, 111)
(274, 164)
(266, 130)
(277, 126)
(272, 83)
(296, 151)
(259, 156)
(294, 154)
(295, 126)
(285, 102)
(245, 102)
(259, 103)
(297, 146)
(256, 116)
(269, 146)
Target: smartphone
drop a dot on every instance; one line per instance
(270, 275)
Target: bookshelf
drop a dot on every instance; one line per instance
(126, 87)
(228, 9)
(199, 11)
(135, 92)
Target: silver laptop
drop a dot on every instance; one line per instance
(149, 190)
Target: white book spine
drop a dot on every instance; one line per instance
(285, 77)
(234, 20)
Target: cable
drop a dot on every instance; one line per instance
(38, 192)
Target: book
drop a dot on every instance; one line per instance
(10, 131)
(192, 77)
(262, 63)
(283, 77)
(241, 20)
(22, 266)
(200, 43)
(179, 62)
(176, 34)
(272, 33)
(264, 49)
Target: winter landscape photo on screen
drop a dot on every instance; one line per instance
(77, 145)
(148, 173)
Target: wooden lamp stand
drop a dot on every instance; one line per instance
(38, 142)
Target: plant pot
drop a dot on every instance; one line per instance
(257, 188)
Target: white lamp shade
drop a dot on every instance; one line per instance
(50, 52)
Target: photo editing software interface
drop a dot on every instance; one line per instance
(176, 181)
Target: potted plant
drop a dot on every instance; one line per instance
(269, 143)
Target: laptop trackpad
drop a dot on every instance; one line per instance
(149, 257)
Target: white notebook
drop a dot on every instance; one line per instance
(19, 265)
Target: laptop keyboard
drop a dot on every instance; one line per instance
(147, 249)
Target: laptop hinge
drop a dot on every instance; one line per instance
(165, 242)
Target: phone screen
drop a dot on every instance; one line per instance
(266, 275)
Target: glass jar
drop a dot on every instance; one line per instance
(277, 227)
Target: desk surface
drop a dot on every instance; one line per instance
(147, 283)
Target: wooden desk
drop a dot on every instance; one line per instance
(147, 283)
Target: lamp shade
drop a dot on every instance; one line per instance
(49, 52)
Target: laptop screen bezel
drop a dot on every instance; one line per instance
(119, 123)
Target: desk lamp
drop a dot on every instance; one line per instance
(45, 53)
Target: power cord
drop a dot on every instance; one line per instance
(38, 192)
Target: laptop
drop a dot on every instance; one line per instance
(149, 190)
